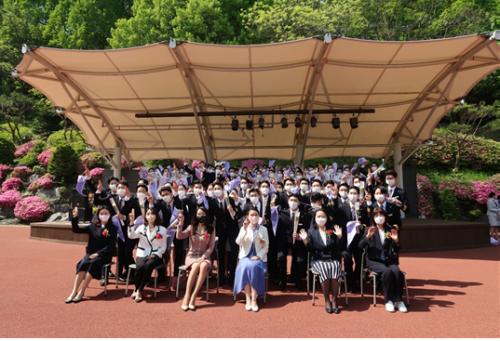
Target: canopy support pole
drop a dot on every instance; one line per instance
(398, 164)
(117, 158)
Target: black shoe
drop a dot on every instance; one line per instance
(282, 286)
(121, 279)
(336, 310)
(328, 308)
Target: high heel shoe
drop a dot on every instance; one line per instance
(192, 307)
(69, 299)
(77, 299)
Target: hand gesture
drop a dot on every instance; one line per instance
(255, 258)
(394, 235)
(149, 198)
(246, 223)
(371, 232)
(303, 234)
(338, 231)
(99, 186)
(75, 212)
(131, 216)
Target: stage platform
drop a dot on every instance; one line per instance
(416, 234)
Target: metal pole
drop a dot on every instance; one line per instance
(398, 165)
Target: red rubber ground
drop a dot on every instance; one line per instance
(453, 294)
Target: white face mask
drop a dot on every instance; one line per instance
(218, 193)
(103, 218)
(320, 221)
(288, 188)
(196, 191)
(121, 192)
(182, 194)
(254, 220)
(210, 193)
(357, 184)
(379, 220)
(254, 200)
(112, 187)
(379, 197)
(369, 203)
(316, 189)
(304, 188)
(343, 194)
(167, 198)
(353, 197)
(141, 196)
(264, 191)
(293, 205)
(244, 186)
(391, 182)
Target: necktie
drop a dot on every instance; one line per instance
(353, 213)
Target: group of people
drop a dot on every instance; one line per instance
(250, 220)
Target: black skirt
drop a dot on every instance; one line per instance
(92, 266)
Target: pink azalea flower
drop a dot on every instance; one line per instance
(10, 198)
(44, 157)
(32, 208)
(11, 183)
(24, 149)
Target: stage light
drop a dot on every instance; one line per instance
(262, 122)
(249, 124)
(353, 121)
(314, 121)
(235, 124)
(335, 122)
(59, 110)
(284, 122)
(298, 122)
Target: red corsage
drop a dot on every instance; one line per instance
(329, 232)
(159, 236)
(105, 233)
(206, 236)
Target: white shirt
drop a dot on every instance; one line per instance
(381, 234)
(322, 235)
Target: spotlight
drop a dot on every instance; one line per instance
(284, 122)
(298, 122)
(235, 124)
(249, 124)
(335, 122)
(353, 121)
(262, 122)
(59, 110)
(314, 121)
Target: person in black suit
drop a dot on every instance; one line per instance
(292, 220)
(393, 213)
(352, 210)
(382, 246)
(396, 195)
(304, 193)
(99, 250)
(103, 197)
(325, 246)
(289, 184)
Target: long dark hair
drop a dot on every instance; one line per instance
(154, 211)
(95, 219)
(195, 221)
(314, 218)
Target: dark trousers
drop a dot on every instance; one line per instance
(143, 271)
(299, 259)
(276, 262)
(125, 255)
(392, 280)
(179, 254)
(352, 264)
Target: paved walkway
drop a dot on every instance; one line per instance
(454, 294)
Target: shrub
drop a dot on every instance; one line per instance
(31, 209)
(45, 182)
(64, 164)
(72, 138)
(28, 160)
(21, 172)
(24, 148)
(44, 157)
(481, 190)
(93, 160)
(26, 133)
(425, 202)
(7, 149)
(12, 183)
(4, 170)
(39, 170)
(10, 198)
(448, 205)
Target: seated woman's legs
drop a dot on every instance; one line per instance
(76, 285)
(204, 266)
(86, 281)
(193, 275)
(398, 283)
(254, 295)
(389, 285)
(326, 286)
(335, 291)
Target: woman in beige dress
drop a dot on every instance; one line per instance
(201, 236)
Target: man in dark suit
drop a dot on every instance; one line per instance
(396, 195)
(381, 201)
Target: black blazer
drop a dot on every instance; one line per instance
(382, 251)
(104, 246)
(318, 249)
(393, 213)
(285, 223)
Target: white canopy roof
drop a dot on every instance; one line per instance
(410, 84)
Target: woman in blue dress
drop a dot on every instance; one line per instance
(250, 272)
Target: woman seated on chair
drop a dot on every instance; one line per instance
(99, 251)
(325, 246)
(382, 245)
(251, 270)
(201, 245)
(150, 249)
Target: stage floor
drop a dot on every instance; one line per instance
(453, 294)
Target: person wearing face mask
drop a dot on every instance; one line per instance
(99, 250)
(152, 244)
(242, 191)
(87, 186)
(396, 195)
(325, 246)
(381, 242)
(288, 188)
(253, 244)
(264, 203)
(304, 193)
(201, 234)
(226, 218)
(393, 216)
(102, 197)
(197, 200)
(291, 221)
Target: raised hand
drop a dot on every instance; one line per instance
(394, 235)
(246, 223)
(303, 234)
(371, 232)
(75, 212)
(337, 231)
(131, 216)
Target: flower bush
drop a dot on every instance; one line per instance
(32, 208)
(462, 191)
(45, 181)
(10, 198)
(425, 202)
(44, 157)
(21, 172)
(12, 183)
(24, 149)
(96, 172)
(4, 169)
(481, 190)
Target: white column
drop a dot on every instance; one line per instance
(398, 165)
(117, 158)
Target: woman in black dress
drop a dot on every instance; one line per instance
(382, 246)
(325, 246)
(99, 250)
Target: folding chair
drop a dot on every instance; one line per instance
(342, 278)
